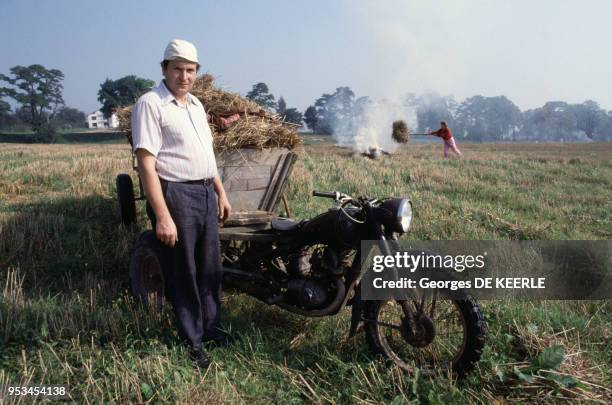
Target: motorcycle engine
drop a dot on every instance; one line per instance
(318, 261)
(308, 293)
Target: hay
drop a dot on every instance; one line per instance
(124, 115)
(400, 132)
(256, 128)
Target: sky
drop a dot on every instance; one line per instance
(530, 51)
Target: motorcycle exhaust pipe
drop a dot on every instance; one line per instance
(333, 307)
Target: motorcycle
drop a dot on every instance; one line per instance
(313, 268)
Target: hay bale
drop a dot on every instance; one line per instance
(124, 115)
(256, 128)
(400, 132)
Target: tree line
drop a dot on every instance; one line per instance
(37, 93)
(477, 118)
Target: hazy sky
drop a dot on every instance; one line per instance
(531, 51)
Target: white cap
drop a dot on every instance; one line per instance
(181, 50)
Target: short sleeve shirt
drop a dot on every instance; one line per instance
(178, 136)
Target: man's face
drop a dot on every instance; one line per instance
(180, 77)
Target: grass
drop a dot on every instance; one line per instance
(66, 316)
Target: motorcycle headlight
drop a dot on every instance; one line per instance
(401, 209)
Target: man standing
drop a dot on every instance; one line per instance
(449, 142)
(185, 197)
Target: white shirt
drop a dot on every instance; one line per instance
(178, 136)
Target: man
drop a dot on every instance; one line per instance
(449, 142)
(185, 196)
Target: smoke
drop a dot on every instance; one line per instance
(371, 125)
(406, 40)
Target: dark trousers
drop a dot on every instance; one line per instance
(192, 268)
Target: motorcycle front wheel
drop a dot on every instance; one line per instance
(432, 335)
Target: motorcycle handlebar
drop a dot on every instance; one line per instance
(334, 194)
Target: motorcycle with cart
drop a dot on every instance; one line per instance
(313, 267)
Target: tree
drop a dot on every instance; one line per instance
(281, 106)
(604, 130)
(553, 121)
(5, 108)
(288, 114)
(311, 118)
(294, 116)
(37, 90)
(488, 118)
(7, 118)
(588, 117)
(114, 94)
(68, 117)
(261, 95)
(336, 112)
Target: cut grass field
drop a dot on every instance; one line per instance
(66, 316)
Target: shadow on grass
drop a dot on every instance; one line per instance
(75, 137)
(285, 338)
(66, 244)
(64, 274)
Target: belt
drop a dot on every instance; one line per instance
(204, 182)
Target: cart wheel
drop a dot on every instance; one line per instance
(146, 276)
(127, 203)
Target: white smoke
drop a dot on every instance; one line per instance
(372, 127)
(405, 39)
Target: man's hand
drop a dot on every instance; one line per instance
(225, 209)
(166, 232)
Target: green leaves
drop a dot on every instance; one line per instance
(38, 91)
(146, 390)
(550, 359)
(260, 94)
(528, 378)
(121, 92)
(543, 366)
(565, 381)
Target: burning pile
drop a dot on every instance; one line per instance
(400, 134)
(255, 129)
(374, 152)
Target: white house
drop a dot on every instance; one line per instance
(97, 120)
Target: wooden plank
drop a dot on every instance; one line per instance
(245, 233)
(257, 184)
(276, 188)
(249, 218)
(265, 200)
(249, 157)
(242, 200)
(252, 177)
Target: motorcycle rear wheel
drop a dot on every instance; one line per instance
(450, 334)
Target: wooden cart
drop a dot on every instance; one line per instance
(254, 181)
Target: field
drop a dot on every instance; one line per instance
(66, 315)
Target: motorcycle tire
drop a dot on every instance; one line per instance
(473, 325)
(125, 195)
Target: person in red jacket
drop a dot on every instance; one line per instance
(449, 142)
